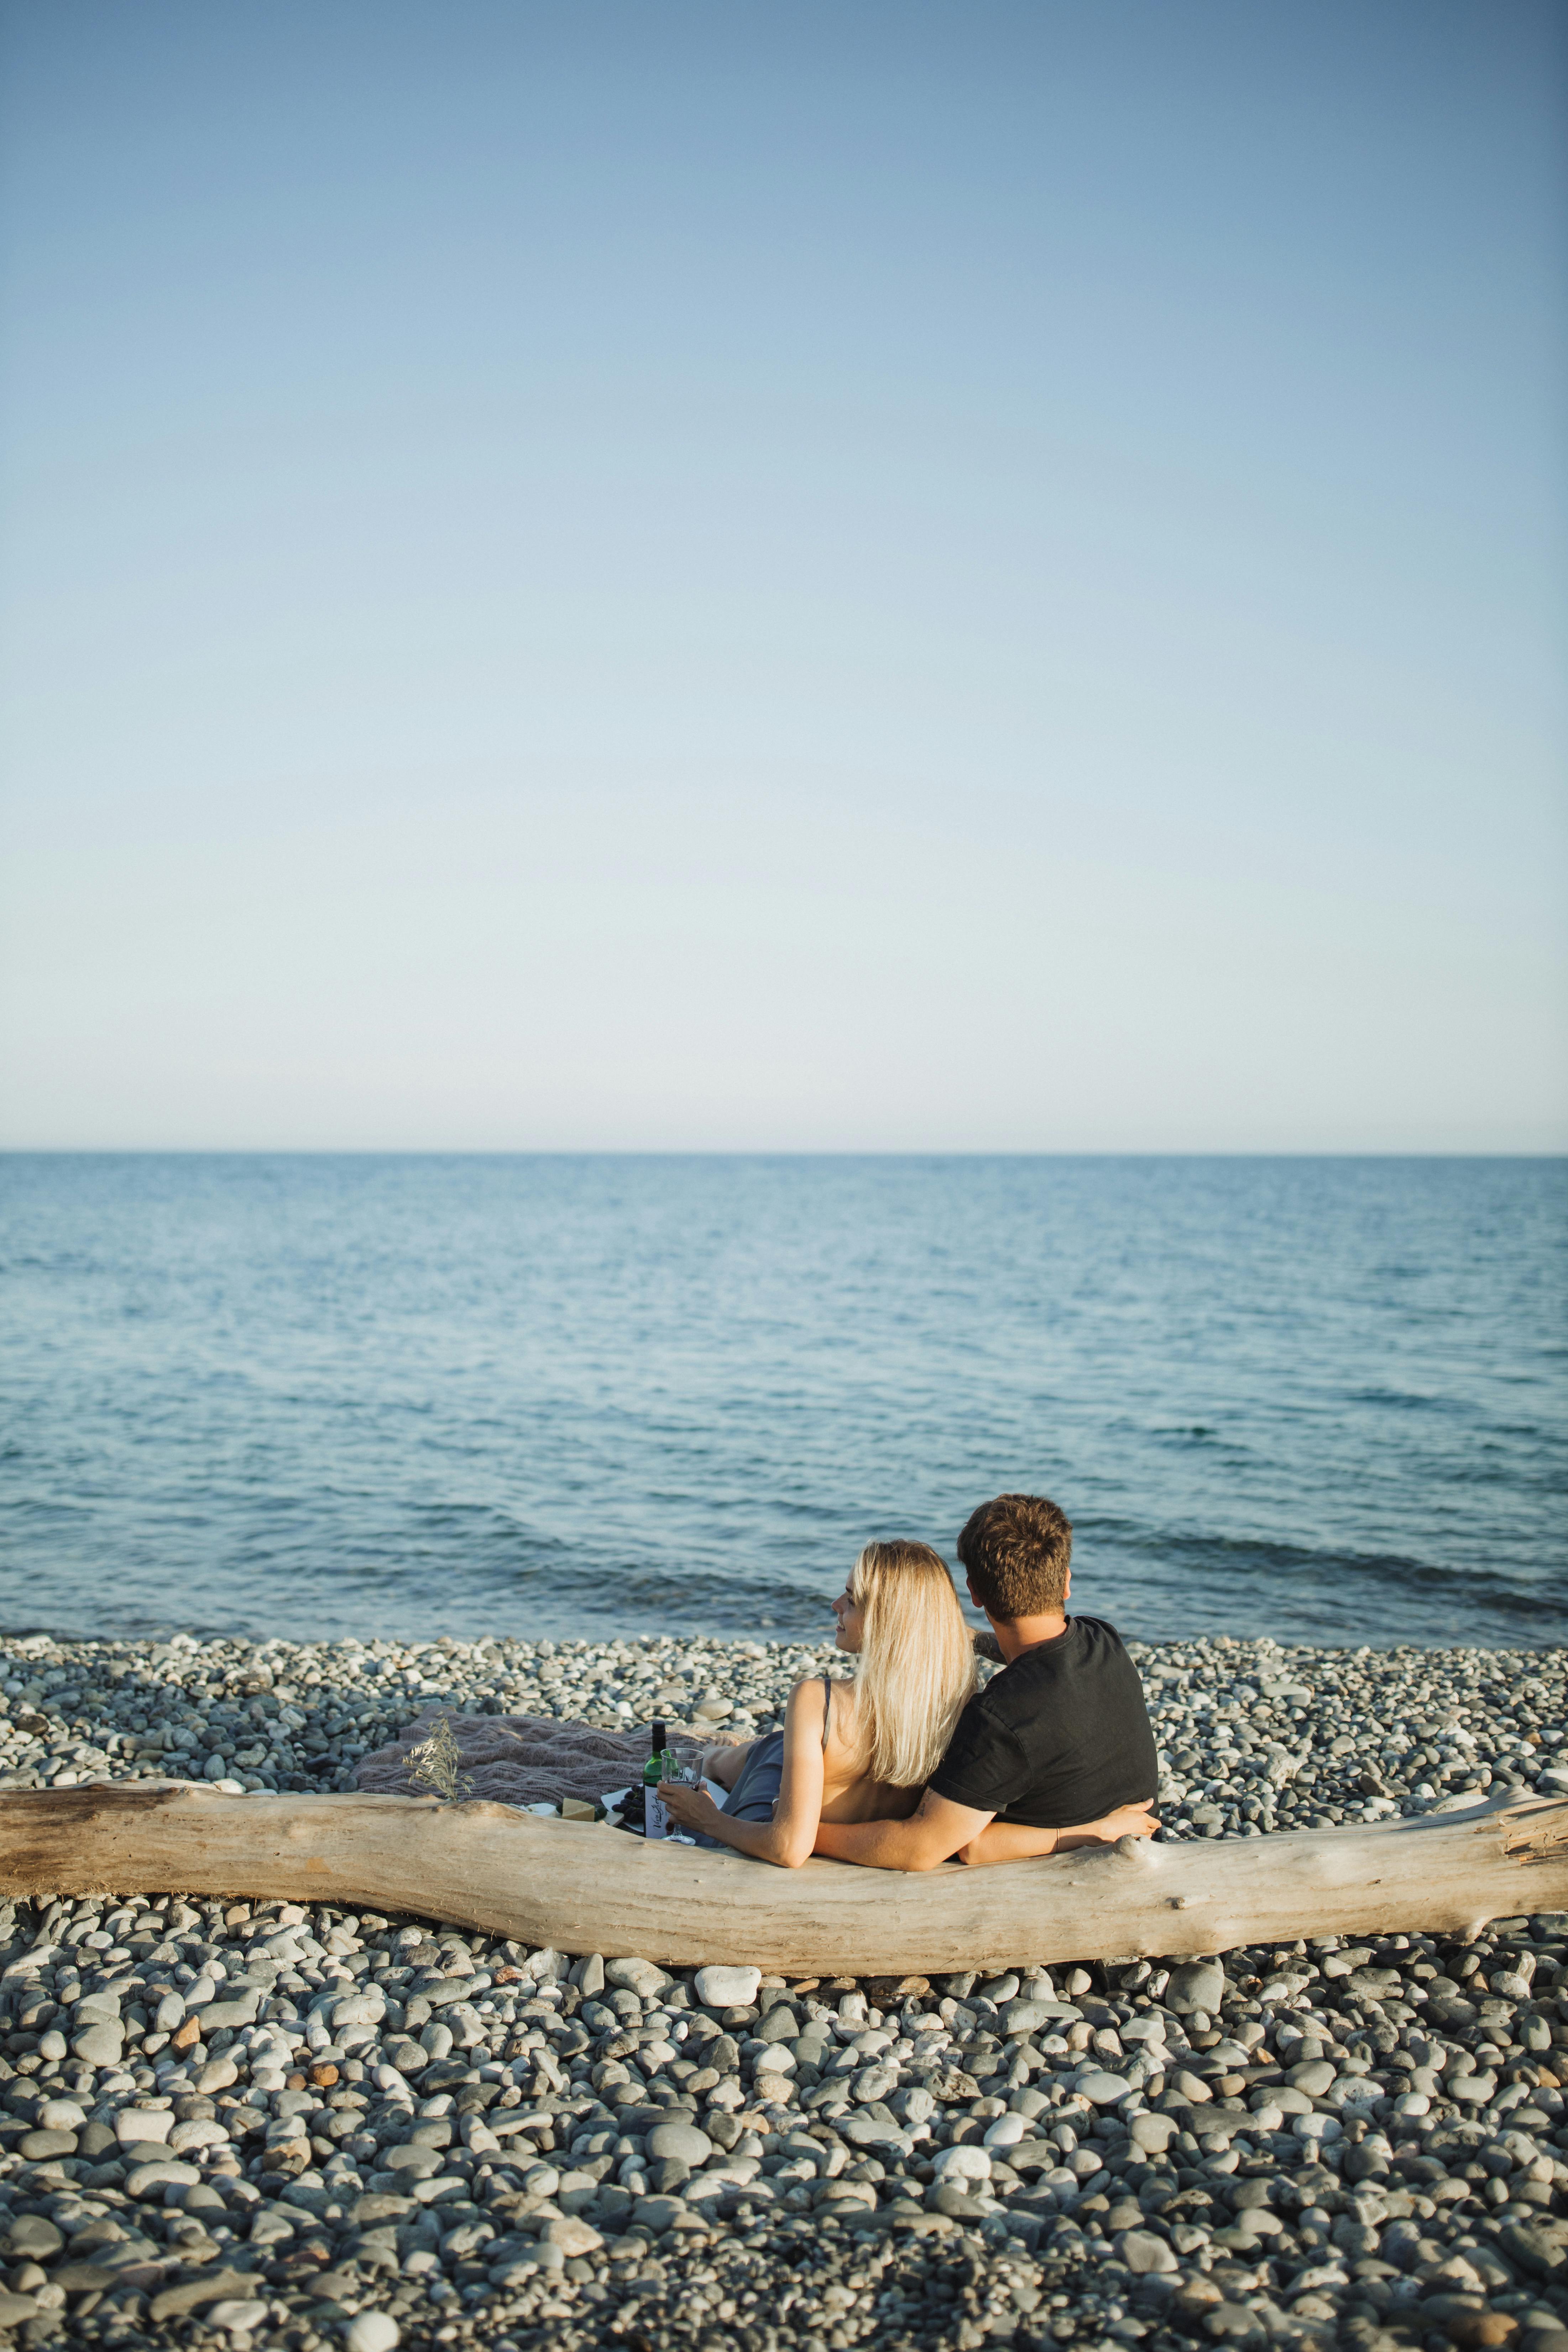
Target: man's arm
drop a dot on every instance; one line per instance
(932, 1834)
(1011, 1841)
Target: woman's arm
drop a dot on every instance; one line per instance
(787, 1838)
(1011, 1841)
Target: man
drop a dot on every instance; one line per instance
(1060, 1735)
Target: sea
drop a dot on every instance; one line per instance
(1322, 1400)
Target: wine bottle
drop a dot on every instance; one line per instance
(657, 1820)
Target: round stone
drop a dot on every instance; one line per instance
(98, 2045)
(1021, 2017)
(372, 2331)
(135, 2126)
(640, 1977)
(661, 2213)
(866, 2131)
(434, 2192)
(571, 2235)
(240, 2315)
(1142, 2252)
(1313, 2076)
(1102, 2090)
(683, 2142)
(152, 2180)
(379, 2206)
(720, 1988)
(366, 2008)
(62, 2114)
(1233, 2322)
(33, 2239)
(965, 2162)
(1200, 1984)
(1006, 2132)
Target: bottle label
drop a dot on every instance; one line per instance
(658, 1819)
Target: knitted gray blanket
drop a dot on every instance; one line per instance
(527, 1760)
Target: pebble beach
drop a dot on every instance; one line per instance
(251, 2124)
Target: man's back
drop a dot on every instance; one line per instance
(1061, 1736)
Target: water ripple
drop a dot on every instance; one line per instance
(1319, 1399)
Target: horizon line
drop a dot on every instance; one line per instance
(754, 1151)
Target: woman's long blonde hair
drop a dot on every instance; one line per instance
(916, 1666)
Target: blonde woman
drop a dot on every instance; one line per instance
(855, 1751)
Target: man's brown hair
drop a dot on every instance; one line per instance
(1016, 1552)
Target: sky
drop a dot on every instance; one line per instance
(894, 578)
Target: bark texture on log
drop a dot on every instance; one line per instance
(586, 1888)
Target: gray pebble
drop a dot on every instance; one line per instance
(1103, 2090)
(98, 2045)
(683, 2142)
(1143, 2252)
(1199, 1985)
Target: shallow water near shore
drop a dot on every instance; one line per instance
(1321, 1400)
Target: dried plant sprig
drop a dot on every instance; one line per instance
(433, 1765)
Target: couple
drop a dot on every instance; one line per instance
(907, 1765)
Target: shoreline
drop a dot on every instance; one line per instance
(1253, 1736)
(357, 2127)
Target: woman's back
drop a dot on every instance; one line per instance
(848, 1793)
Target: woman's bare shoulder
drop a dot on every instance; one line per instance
(805, 1702)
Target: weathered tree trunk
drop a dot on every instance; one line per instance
(586, 1888)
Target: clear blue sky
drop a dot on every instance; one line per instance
(797, 576)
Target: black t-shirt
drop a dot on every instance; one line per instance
(1056, 1739)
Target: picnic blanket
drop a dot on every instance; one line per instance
(527, 1760)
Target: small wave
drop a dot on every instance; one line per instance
(419, 1395)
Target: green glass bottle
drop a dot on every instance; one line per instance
(653, 1771)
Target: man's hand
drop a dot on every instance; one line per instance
(932, 1835)
(1127, 1821)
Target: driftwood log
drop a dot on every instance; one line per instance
(583, 1888)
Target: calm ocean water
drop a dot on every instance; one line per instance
(1319, 1399)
